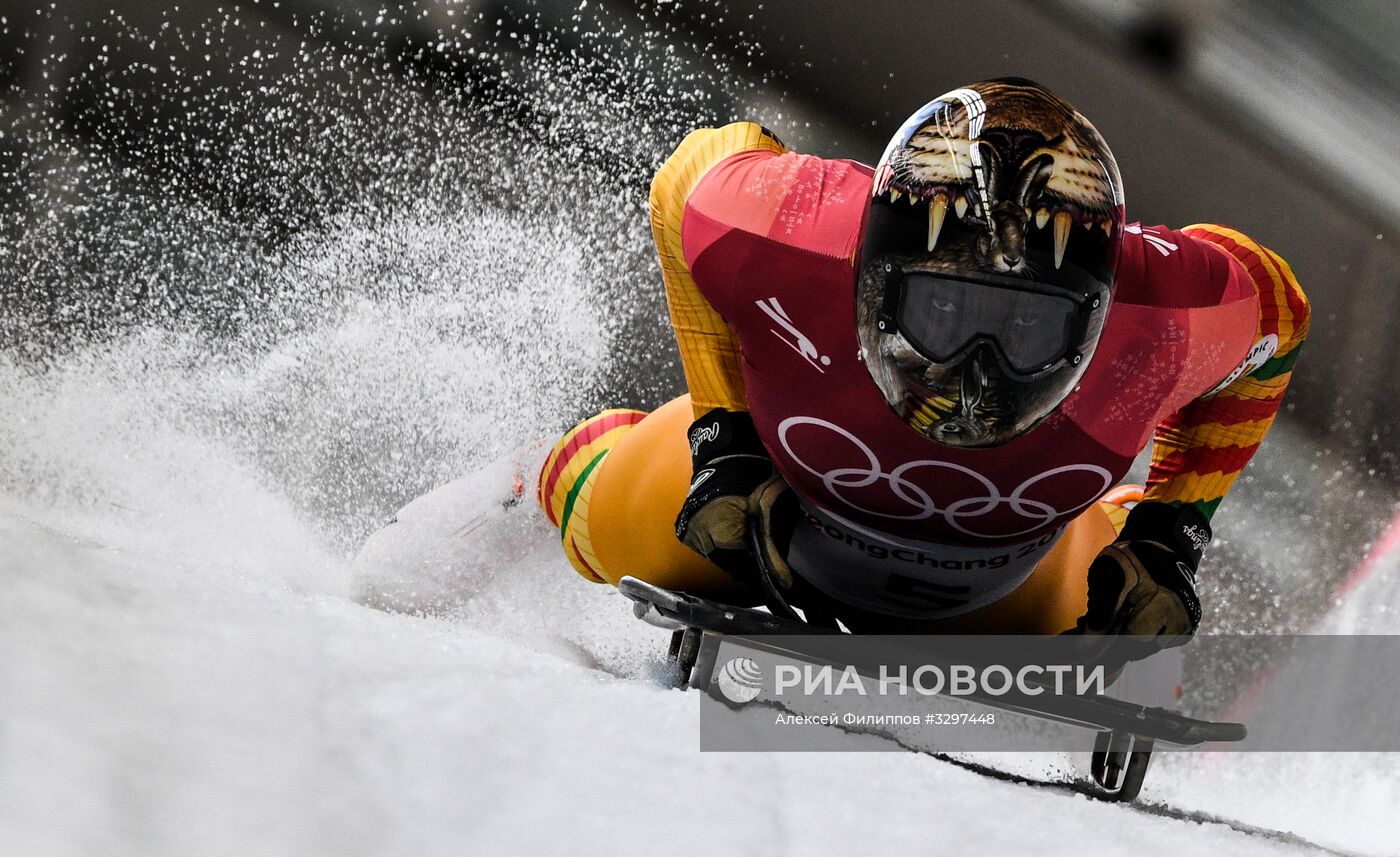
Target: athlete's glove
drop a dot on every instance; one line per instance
(732, 485)
(1144, 584)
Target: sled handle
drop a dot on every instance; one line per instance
(772, 596)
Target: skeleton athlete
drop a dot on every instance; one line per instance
(923, 381)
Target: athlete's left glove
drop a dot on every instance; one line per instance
(1144, 584)
(733, 486)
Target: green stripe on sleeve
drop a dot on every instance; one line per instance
(1276, 366)
(574, 492)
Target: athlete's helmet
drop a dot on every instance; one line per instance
(986, 271)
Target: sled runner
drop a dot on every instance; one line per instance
(1126, 732)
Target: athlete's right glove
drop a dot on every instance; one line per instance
(733, 486)
(1143, 585)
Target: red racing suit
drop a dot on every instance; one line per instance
(758, 247)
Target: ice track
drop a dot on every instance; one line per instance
(163, 702)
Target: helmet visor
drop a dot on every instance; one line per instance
(943, 316)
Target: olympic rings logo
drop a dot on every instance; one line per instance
(1038, 513)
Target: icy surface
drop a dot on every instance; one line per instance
(186, 671)
(168, 701)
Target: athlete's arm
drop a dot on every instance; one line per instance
(709, 351)
(1144, 584)
(1199, 451)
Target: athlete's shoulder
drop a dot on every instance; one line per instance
(700, 151)
(740, 181)
(1283, 307)
(803, 202)
(1179, 269)
(1265, 267)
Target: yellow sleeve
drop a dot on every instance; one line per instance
(709, 351)
(1199, 451)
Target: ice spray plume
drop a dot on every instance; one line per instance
(359, 254)
(352, 255)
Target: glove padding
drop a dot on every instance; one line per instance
(734, 484)
(773, 509)
(1144, 584)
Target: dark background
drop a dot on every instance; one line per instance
(1188, 150)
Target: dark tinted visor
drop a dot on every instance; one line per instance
(940, 316)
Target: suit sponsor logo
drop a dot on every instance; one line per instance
(1262, 352)
(1155, 241)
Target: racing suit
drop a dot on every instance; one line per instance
(758, 248)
